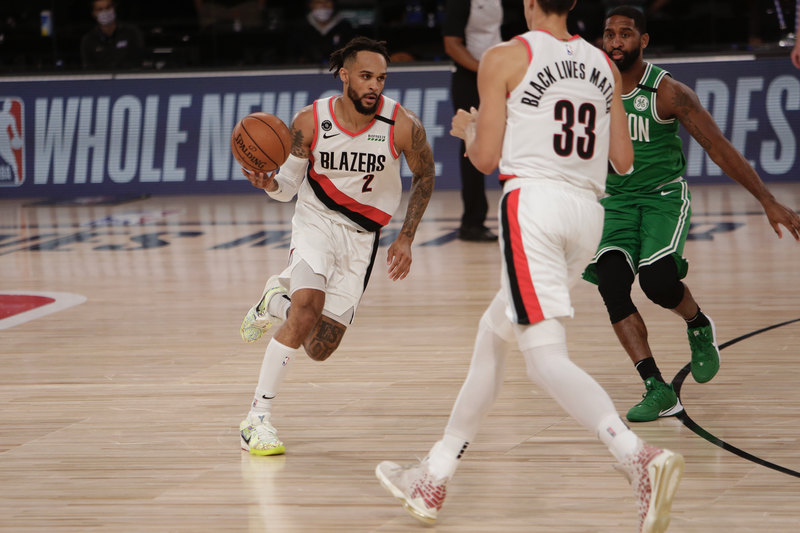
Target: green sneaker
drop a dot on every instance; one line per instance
(658, 400)
(705, 352)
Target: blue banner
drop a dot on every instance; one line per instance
(756, 104)
(170, 134)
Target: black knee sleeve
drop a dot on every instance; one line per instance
(615, 279)
(660, 283)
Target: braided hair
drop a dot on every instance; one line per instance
(356, 45)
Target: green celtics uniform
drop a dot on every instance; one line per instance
(647, 211)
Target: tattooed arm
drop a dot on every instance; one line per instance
(676, 100)
(413, 143)
(419, 157)
(283, 184)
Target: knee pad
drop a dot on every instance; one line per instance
(614, 281)
(304, 277)
(660, 283)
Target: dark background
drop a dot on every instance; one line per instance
(174, 39)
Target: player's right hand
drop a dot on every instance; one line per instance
(262, 180)
(463, 125)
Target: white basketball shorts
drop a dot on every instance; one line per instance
(341, 254)
(549, 233)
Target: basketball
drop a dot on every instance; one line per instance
(260, 142)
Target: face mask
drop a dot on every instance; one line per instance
(106, 17)
(322, 14)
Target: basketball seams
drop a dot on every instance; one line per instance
(286, 149)
(252, 139)
(274, 132)
(263, 143)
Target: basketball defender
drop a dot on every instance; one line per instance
(647, 213)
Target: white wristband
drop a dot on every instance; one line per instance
(289, 178)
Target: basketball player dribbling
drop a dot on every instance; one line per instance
(345, 169)
(551, 116)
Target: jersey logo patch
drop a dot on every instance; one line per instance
(641, 102)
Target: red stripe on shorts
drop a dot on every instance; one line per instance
(521, 268)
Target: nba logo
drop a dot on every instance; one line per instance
(12, 145)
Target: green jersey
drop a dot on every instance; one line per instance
(657, 150)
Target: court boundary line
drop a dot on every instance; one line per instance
(696, 428)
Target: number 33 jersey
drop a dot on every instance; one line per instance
(558, 117)
(353, 178)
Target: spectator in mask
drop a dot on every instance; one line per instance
(321, 32)
(111, 44)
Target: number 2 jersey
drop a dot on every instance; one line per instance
(562, 108)
(353, 178)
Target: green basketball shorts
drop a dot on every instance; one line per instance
(646, 226)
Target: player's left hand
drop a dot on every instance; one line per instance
(778, 214)
(398, 259)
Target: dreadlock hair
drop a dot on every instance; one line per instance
(356, 45)
(639, 21)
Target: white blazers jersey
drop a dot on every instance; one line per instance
(558, 117)
(353, 178)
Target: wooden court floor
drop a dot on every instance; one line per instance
(121, 397)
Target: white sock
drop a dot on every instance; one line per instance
(279, 306)
(273, 369)
(614, 433)
(444, 457)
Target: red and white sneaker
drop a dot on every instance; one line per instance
(421, 494)
(654, 474)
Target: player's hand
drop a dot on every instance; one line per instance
(778, 214)
(461, 122)
(398, 259)
(796, 53)
(262, 180)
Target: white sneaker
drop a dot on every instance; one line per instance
(654, 474)
(259, 437)
(422, 496)
(258, 320)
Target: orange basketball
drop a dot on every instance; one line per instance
(261, 142)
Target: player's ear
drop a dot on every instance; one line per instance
(645, 40)
(343, 75)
